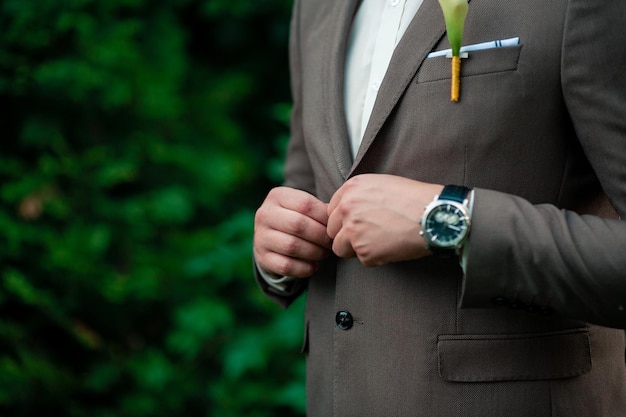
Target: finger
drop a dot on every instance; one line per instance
(335, 223)
(298, 225)
(335, 217)
(285, 266)
(335, 200)
(292, 246)
(303, 203)
(342, 246)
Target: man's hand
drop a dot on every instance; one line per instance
(290, 235)
(375, 217)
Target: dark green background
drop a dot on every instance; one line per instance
(137, 137)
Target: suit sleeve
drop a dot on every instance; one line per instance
(298, 171)
(545, 259)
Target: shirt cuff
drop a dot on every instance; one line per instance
(275, 281)
(463, 252)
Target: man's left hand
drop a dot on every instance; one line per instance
(375, 217)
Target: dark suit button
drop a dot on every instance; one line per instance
(344, 320)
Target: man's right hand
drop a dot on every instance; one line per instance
(290, 235)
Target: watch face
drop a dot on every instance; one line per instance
(446, 225)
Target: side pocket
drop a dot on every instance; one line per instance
(527, 357)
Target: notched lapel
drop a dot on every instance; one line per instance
(423, 33)
(334, 89)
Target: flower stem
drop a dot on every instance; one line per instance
(456, 79)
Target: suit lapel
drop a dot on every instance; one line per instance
(344, 11)
(423, 33)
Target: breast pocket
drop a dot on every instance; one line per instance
(482, 62)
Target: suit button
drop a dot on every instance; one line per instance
(344, 320)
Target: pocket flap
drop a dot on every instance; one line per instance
(528, 357)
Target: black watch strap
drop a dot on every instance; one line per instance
(456, 193)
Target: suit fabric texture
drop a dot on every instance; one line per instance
(540, 133)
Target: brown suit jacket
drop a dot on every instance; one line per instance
(540, 132)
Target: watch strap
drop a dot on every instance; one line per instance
(456, 193)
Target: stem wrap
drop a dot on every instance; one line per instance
(456, 79)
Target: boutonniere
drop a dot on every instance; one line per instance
(454, 13)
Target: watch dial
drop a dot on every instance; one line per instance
(446, 225)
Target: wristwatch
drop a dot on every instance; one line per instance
(446, 220)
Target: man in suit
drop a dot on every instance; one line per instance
(402, 318)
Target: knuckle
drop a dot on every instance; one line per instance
(368, 261)
(344, 208)
(304, 206)
(367, 255)
(353, 182)
(364, 256)
(352, 229)
(297, 226)
(285, 266)
(295, 268)
(351, 201)
(291, 246)
(275, 193)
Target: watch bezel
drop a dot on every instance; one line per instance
(431, 240)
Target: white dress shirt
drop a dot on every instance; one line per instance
(376, 30)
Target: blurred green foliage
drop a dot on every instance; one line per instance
(136, 140)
